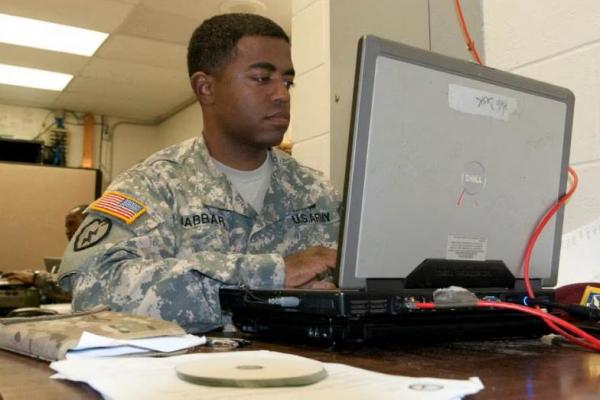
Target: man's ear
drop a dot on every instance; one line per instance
(203, 86)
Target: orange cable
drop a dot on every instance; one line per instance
(465, 31)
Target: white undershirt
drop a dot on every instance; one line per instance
(251, 185)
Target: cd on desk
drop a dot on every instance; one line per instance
(252, 373)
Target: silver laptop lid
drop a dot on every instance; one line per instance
(450, 160)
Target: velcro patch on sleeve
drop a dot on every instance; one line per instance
(120, 206)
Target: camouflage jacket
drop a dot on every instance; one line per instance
(194, 233)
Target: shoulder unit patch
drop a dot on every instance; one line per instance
(120, 206)
(91, 234)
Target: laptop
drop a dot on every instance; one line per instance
(450, 167)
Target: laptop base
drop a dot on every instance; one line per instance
(356, 316)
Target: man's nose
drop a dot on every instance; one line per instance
(281, 93)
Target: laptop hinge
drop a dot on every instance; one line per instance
(384, 285)
(439, 273)
(536, 284)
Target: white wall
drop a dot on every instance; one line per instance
(26, 122)
(132, 143)
(445, 34)
(125, 145)
(21, 122)
(310, 109)
(404, 21)
(185, 124)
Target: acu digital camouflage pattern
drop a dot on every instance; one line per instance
(197, 234)
(50, 337)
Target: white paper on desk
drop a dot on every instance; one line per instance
(580, 255)
(92, 345)
(155, 378)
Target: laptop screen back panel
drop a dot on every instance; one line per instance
(450, 160)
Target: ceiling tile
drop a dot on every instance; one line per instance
(132, 74)
(100, 15)
(23, 96)
(113, 106)
(278, 10)
(144, 51)
(135, 92)
(163, 26)
(41, 59)
(198, 11)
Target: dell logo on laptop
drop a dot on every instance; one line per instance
(473, 177)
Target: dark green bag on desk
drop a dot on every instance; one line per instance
(50, 337)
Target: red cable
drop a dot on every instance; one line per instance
(463, 27)
(531, 243)
(586, 340)
(539, 228)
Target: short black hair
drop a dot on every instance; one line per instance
(213, 41)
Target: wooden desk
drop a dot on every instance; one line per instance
(508, 369)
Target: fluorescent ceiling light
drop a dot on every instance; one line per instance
(49, 36)
(33, 78)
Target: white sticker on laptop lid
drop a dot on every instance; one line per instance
(460, 247)
(479, 102)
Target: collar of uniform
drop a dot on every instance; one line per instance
(290, 189)
(215, 189)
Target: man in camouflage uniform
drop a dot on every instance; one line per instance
(223, 208)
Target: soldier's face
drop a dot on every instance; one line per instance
(252, 95)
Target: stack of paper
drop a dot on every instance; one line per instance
(91, 345)
(134, 378)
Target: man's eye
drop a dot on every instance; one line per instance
(262, 79)
(288, 84)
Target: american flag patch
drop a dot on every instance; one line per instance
(120, 206)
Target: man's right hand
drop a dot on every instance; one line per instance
(304, 266)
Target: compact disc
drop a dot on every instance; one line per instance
(252, 372)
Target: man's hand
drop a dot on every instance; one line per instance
(316, 284)
(303, 267)
(25, 277)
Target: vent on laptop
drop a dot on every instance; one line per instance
(369, 306)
